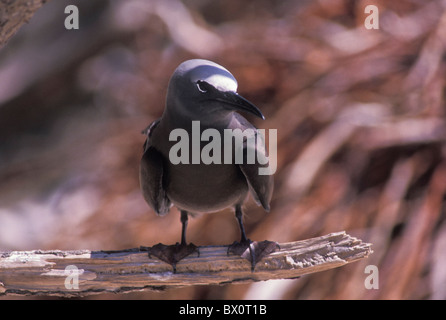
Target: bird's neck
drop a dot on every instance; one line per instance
(184, 120)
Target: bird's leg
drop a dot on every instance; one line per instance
(184, 220)
(239, 216)
(252, 251)
(174, 253)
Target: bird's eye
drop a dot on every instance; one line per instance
(202, 86)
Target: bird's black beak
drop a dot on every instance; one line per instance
(236, 102)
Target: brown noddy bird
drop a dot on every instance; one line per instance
(203, 92)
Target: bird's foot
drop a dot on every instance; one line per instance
(172, 254)
(253, 251)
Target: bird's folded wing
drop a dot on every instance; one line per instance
(261, 186)
(151, 180)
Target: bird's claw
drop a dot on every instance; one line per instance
(253, 251)
(172, 254)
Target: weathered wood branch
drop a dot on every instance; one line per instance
(45, 272)
(14, 14)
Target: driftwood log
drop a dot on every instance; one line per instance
(83, 272)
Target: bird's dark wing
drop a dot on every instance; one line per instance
(148, 132)
(261, 186)
(151, 172)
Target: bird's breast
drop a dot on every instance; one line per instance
(197, 177)
(205, 188)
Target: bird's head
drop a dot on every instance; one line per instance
(200, 87)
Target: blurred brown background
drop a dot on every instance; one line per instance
(360, 117)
